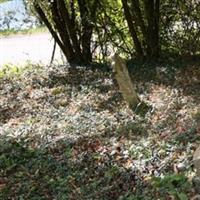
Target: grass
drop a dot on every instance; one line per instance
(2, 1)
(10, 32)
(10, 70)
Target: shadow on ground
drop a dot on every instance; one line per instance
(119, 163)
(63, 172)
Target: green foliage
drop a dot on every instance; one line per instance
(180, 27)
(57, 90)
(9, 32)
(2, 1)
(38, 172)
(96, 148)
(112, 31)
(111, 172)
(10, 70)
(176, 185)
(142, 109)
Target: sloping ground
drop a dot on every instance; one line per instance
(68, 134)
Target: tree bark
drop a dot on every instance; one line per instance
(48, 24)
(157, 27)
(70, 27)
(139, 17)
(62, 30)
(132, 30)
(74, 38)
(152, 16)
(87, 29)
(143, 25)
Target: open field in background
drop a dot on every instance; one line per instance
(2, 1)
(19, 49)
(12, 32)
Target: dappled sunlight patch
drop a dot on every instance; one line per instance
(188, 79)
(73, 128)
(172, 111)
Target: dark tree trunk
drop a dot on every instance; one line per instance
(152, 16)
(86, 32)
(143, 25)
(73, 38)
(62, 30)
(70, 27)
(138, 17)
(132, 30)
(157, 28)
(48, 25)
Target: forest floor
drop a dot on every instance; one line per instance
(68, 134)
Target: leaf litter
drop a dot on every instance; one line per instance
(67, 134)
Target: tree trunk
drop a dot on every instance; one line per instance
(143, 25)
(88, 16)
(152, 16)
(132, 30)
(138, 17)
(62, 30)
(48, 24)
(70, 28)
(74, 38)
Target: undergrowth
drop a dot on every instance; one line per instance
(68, 134)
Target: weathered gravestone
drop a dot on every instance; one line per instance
(196, 160)
(126, 86)
(196, 179)
(196, 155)
(124, 81)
